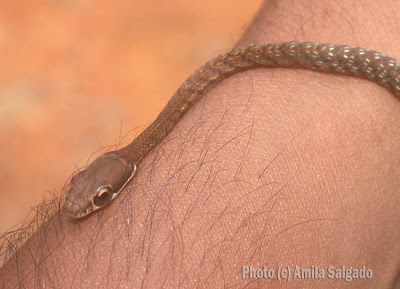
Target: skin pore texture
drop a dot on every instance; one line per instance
(274, 167)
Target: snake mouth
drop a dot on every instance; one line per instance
(83, 214)
(74, 211)
(78, 215)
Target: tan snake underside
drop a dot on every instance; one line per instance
(94, 187)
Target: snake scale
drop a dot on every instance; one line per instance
(95, 187)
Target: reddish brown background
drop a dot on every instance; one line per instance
(75, 75)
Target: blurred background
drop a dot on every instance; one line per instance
(76, 76)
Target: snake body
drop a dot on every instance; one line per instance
(94, 187)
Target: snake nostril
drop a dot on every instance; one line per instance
(66, 205)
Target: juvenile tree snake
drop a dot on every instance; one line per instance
(95, 187)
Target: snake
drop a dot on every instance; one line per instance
(103, 180)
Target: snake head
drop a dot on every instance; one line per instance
(97, 185)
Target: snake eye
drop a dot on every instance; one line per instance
(103, 196)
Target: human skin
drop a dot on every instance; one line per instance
(274, 167)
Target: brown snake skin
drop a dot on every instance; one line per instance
(94, 187)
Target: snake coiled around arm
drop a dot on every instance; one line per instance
(95, 187)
